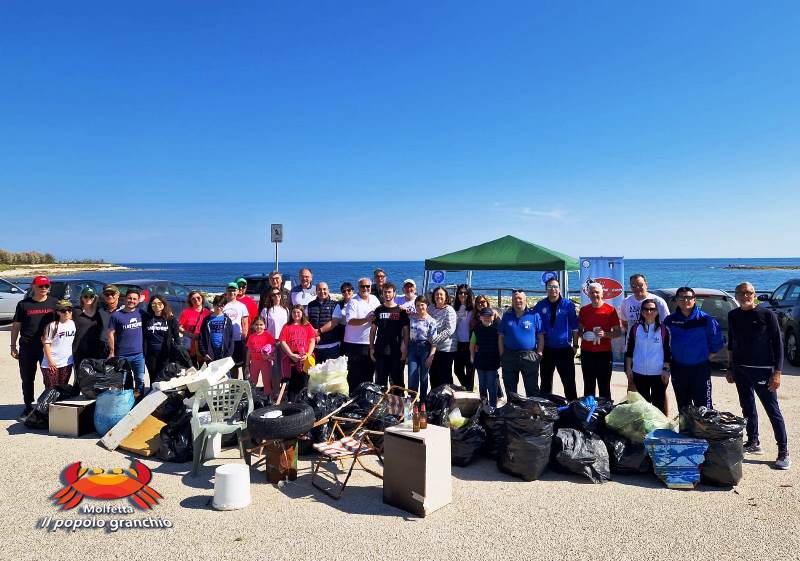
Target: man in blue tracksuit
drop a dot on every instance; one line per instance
(560, 326)
(694, 338)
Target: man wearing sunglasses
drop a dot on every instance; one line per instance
(31, 316)
(695, 337)
(358, 315)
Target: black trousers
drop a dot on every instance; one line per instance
(750, 381)
(389, 367)
(360, 367)
(564, 360)
(441, 371)
(154, 362)
(596, 368)
(321, 355)
(30, 355)
(464, 370)
(692, 384)
(298, 380)
(653, 389)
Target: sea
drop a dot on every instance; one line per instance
(660, 273)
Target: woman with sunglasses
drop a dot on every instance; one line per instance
(88, 341)
(445, 340)
(161, 332)
(57, 343)
(190, 322)
(464, 370)
(647, 356)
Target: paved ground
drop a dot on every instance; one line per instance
(493, 516)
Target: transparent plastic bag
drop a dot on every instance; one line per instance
(636, 417)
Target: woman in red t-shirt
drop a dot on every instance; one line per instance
(189, 324)
(599, 322)
(261, 345)
(297, 340)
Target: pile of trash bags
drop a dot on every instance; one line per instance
(725, 453)
(329, 377)
(176, 436)
(527, 439)
(39, 417)
(98, 375)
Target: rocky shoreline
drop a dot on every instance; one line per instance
(60, 269)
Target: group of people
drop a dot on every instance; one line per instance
(382, 328)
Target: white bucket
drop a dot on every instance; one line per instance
(231, 487)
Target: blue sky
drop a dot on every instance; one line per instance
(178, 131)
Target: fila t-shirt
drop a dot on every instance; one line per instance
(60, 337)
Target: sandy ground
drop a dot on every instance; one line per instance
(60, 269)
(493, 516)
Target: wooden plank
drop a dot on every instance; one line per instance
(136, 417)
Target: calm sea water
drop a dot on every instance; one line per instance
(661, 273)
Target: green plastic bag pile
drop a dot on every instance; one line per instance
(636, 418)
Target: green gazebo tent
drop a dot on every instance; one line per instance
(504, 254)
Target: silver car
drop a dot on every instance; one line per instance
(10, 294)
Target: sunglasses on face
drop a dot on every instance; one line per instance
(364, 286)
(462, 293)
(42, 286)
(552, 287)
(685, 298)
(648, 309)
(347, 290)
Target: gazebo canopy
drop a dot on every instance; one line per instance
(503, 254)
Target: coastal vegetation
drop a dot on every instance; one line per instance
(38, 258)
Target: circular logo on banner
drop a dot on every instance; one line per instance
(611, 287)
(585, 263)
(548, 276)
(437, 277)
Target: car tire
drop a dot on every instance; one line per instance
(296, 419)
(791, 348)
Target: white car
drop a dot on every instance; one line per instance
(10, 294)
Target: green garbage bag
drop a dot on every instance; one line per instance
(636, 418)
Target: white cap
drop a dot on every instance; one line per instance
(410, 281)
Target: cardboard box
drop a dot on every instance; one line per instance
(72, 418)
(416, 473)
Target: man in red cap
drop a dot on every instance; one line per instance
(30, 318)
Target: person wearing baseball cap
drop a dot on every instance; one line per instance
(240, 317)
(33, 313)
(88, 328)
(406, 301)
(108, 305)
(250, 304)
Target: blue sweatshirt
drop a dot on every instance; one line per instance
(558, 332)
(693, 338)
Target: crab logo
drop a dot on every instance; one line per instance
(111, 484)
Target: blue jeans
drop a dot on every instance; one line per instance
(137, 363)
(487, 382)
(418, 353)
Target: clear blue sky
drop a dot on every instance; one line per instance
(178, 131)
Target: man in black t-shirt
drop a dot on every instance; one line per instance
(388, 339)
(30, 318)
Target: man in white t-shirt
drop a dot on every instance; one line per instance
(406, 301)
(358, 315)
(629, 310)
(304, 292)
(240, 318)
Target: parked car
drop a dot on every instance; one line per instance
(785, 302)
(716, 303)
(70, 289)
(258, 283)
(172, 292)
(10, 294)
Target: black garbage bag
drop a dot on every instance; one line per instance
(172, 408)
(439, 403)
(537, 405)
(467, 441)
(39, 417)
(168, 372)
(493, 421)
(579, 414)
(626, 457)
(559, 400)
(582, 453)
(324, 404)
(725, 453)
(367, 395)
(98, 375)
(176, 440)
(525, 451)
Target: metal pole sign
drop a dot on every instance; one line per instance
(276, 236)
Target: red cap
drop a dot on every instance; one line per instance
(40, 280)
